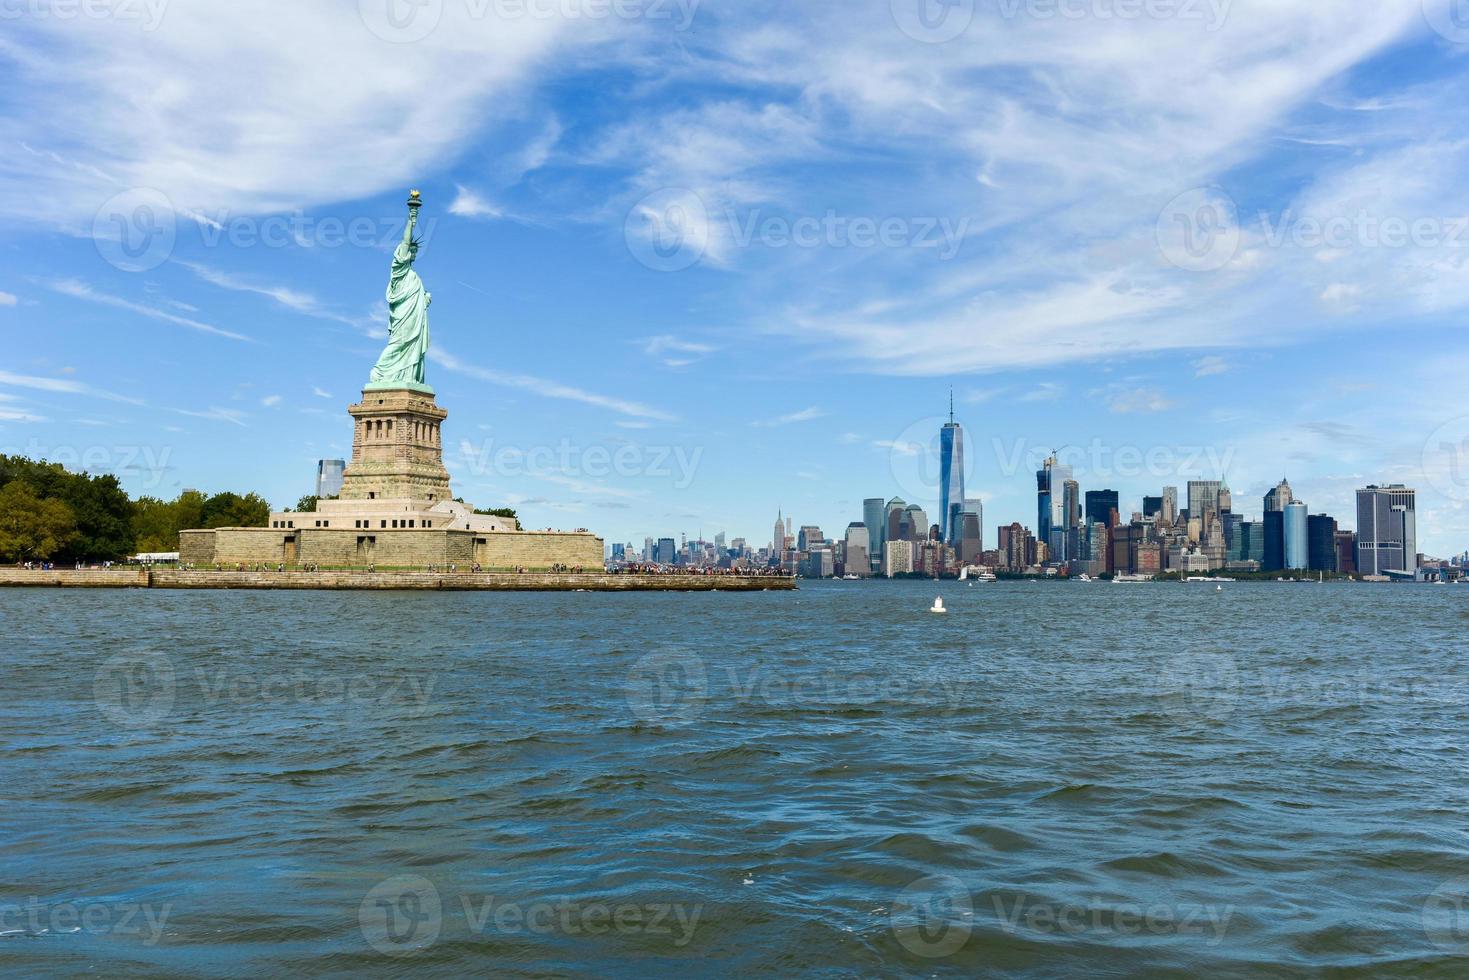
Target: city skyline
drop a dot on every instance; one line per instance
(1066, 287)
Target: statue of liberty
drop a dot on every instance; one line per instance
(401, 365)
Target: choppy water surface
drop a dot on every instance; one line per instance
(1053, 779)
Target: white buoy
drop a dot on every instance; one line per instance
(1218, 588)
(938, 606)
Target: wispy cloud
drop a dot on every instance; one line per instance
(64, 386)
(216, 414)
(1206, 366)
(292, 299)
(804, 415)
(470, 204)
(1140, 400)
(8, 299)
(674, 351)
(77, 289)
(548, 389)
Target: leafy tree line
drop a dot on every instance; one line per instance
(48, 513)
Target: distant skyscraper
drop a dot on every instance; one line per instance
(1050, 481)
(778, 536)
(1101, 503)
(1277, 499)
(1203, 498)
(969, 539)
(810, 537)
(1387, 530)
(1321, 543)
(329, 477)
(1170, 505)
(892, 531)
(874, 515)
(858, 550)
(915, 524)
(951, 473)
(1297, 536)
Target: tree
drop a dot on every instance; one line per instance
(156, 523)
(232, 510)
(506, 512)
(306, 504)
(33, 528)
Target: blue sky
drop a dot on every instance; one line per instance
(692, 262)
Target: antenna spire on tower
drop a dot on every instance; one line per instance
(951, 404)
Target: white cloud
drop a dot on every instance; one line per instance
(547, 389)
(319, 393)
(1207, 366)
(469, 204)
(7, 415)
(804, 415)
(80, 290)
(62, 386)
(270, 401)
(1140, 400)
(7, 299)
(216, 414)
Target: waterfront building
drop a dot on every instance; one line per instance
(1321, 543)
(857, 560)
(951, 474)
(892, 529)
(1387, 530)
(897, 557)
(329, 476)
(1273, 559)
(969, 541)
(1296, 536)
(874, 515)
(1346, 552)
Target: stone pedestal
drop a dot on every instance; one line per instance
(397, 448)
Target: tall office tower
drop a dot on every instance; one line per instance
(1277, 499)
(1273, 528)
(648, 553)
(1387, 530)
(858, 550)
(667, 551)
(809, 537)
(329, 477)
(915, 524)
(778, 536)
(1203, 498)
(1170, 505)
(1297, 536)
(1100, 505)
(969, 538)
(1275, 503)
(1050, 481)
(1152, 507)
(1321, 543)
(719, 541)
(874, 515)
(1071, 503)
(1226, 499)
(1346, 552)
(895, 508)
(1232, 525)
(951, 473)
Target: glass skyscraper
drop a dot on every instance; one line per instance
(951, 475)
(1297, 536)
(1387, 530)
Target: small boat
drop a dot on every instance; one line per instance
(986, 577)
(938, 606)
(1084, 577)
(851, 578)
(1127, 579)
